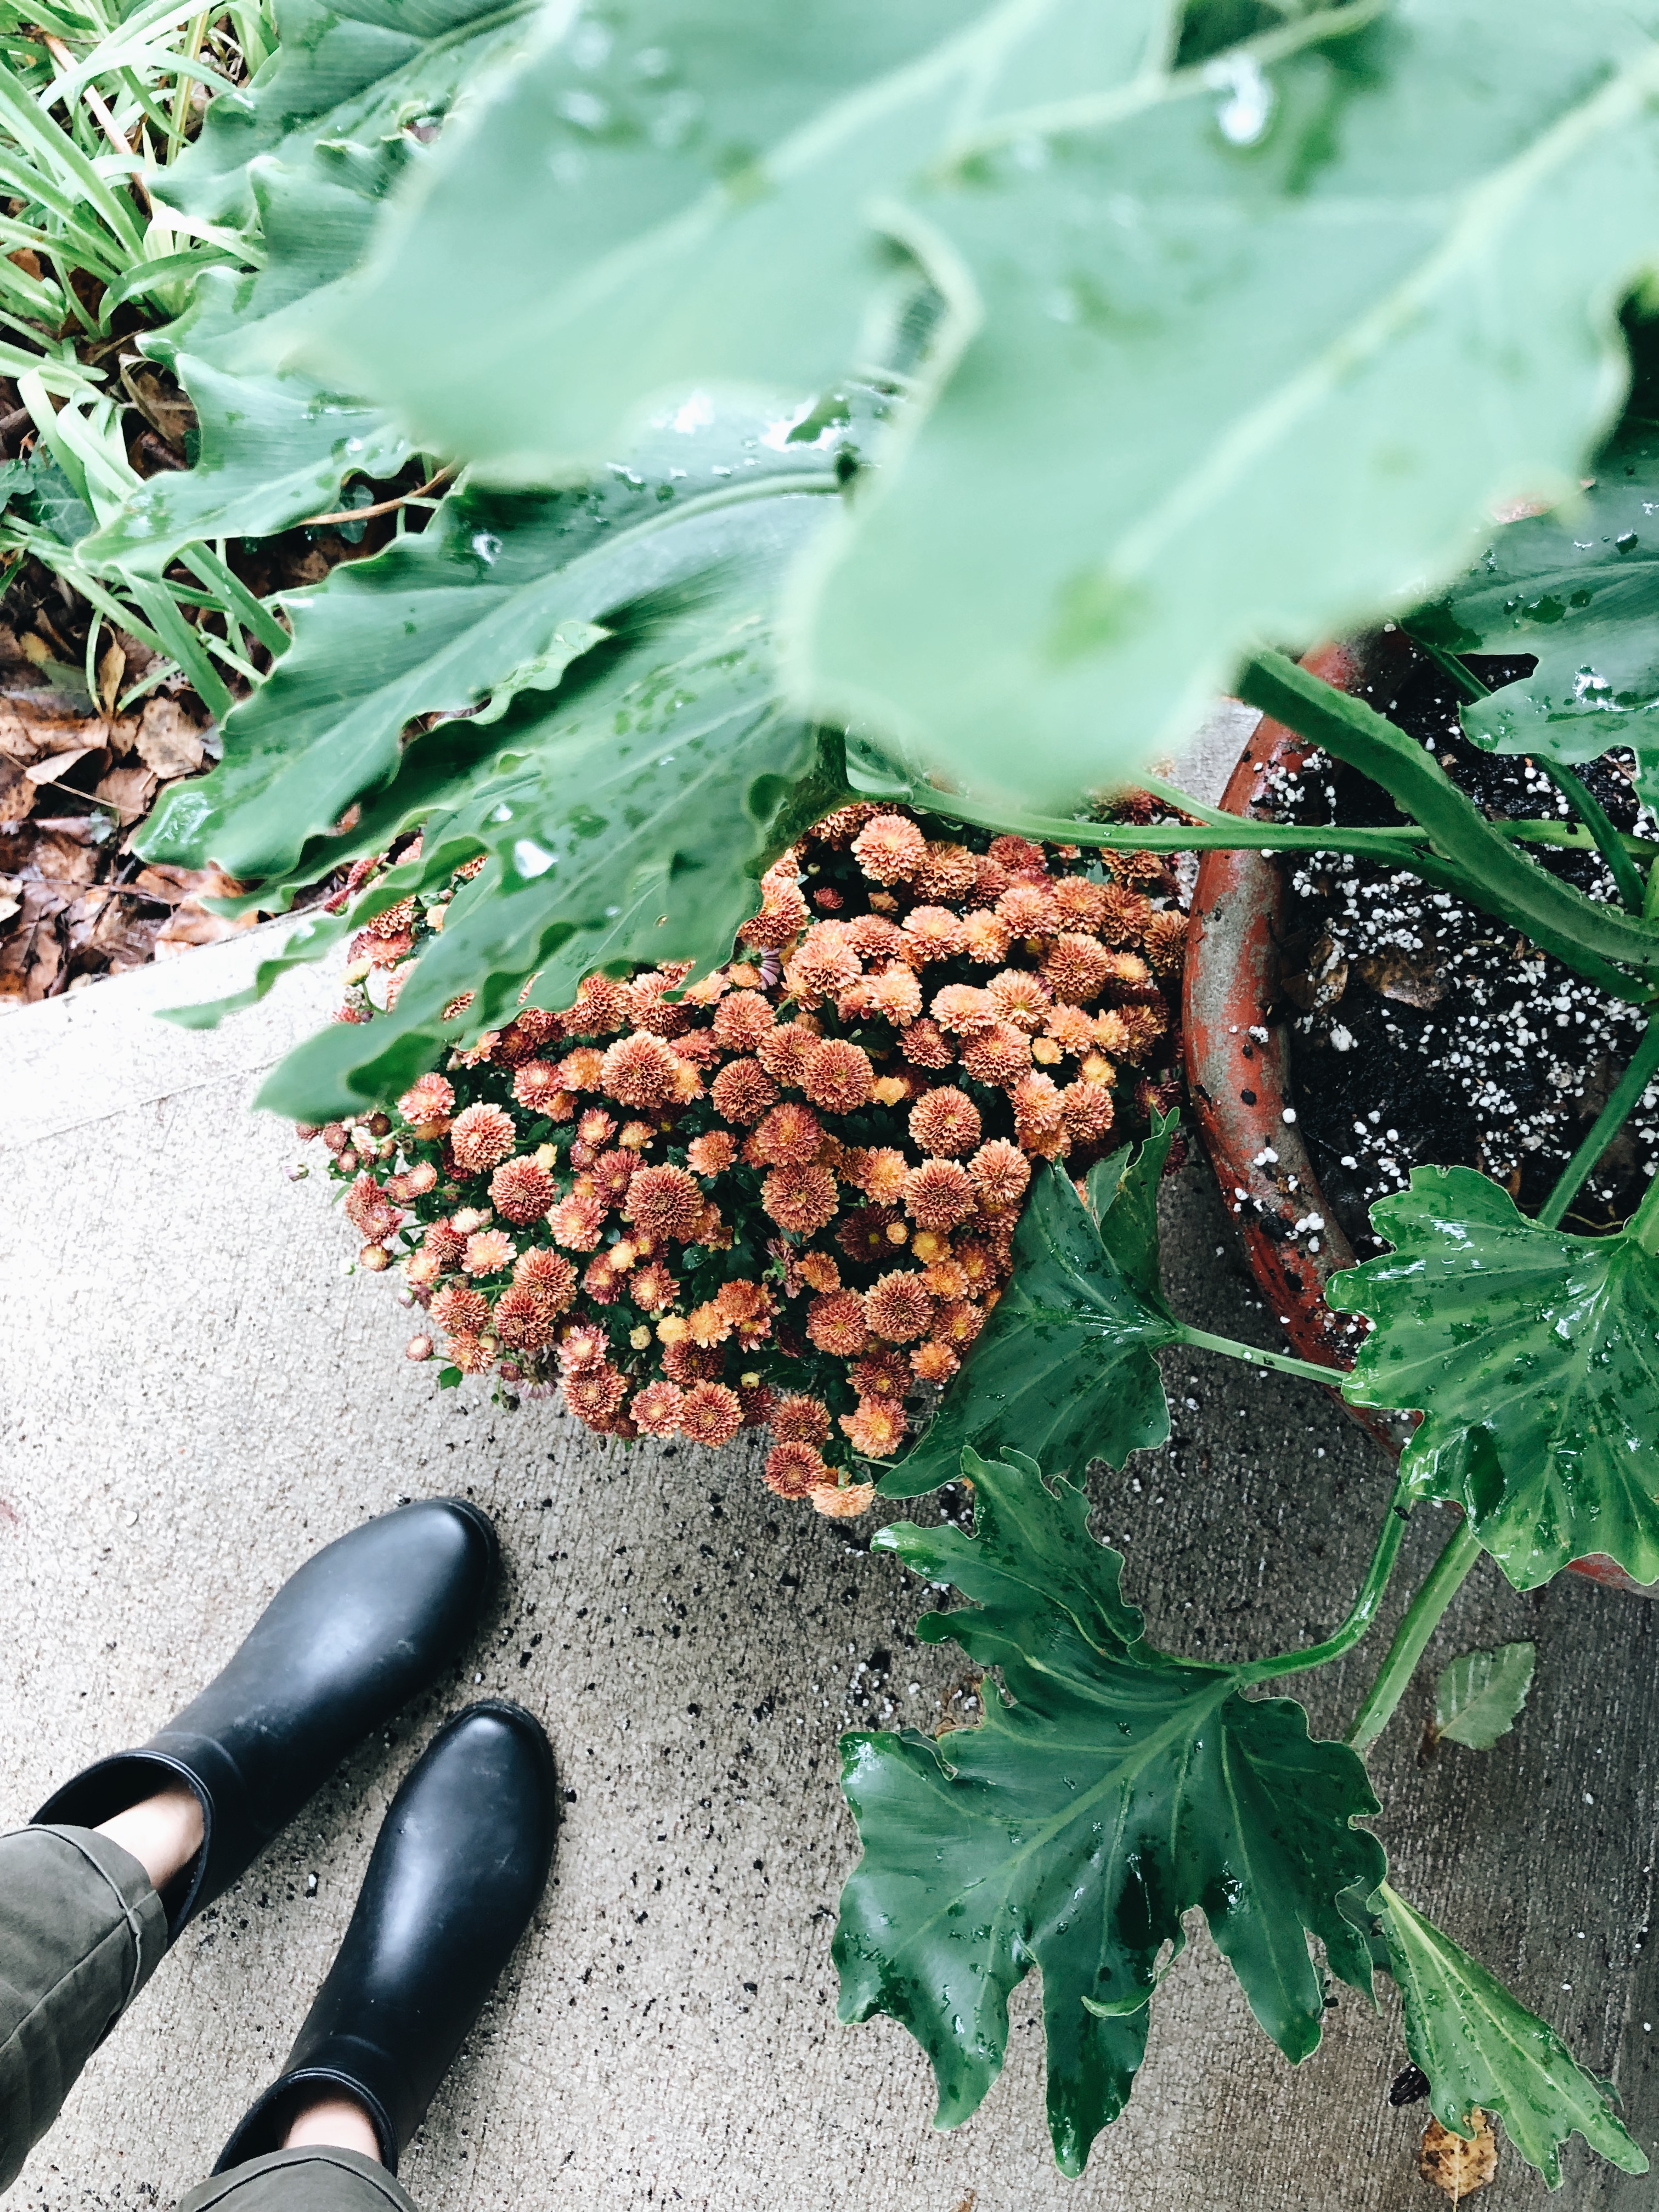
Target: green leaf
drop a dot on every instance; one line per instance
(310, 149)
(1064, 1367)
(1284, 282)
(1479, 2047)
(1579, 589)
(1534, 1358)
(1072, 1829)
(497, 596)
(1477, 1698)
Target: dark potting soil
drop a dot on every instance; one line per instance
(1425, 1031)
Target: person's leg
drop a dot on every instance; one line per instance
(317, 2179)
(119, 1859)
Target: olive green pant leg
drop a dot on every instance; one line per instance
(81, 1930)
(316, 2180)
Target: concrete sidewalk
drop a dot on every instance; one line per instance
(196, 1396)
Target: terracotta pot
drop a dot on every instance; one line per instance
(1238, 1071)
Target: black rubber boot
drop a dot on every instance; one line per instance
(455, 1875)
(348, 1639)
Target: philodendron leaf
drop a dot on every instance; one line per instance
(1072, 1828)
(311, 149)
(1579, 589)
(1480, 2047)
(1178, 297)
(1064, 1367)
(1534, 1359)
(1477, 1698)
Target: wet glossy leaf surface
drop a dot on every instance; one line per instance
(1072, 1828)
(617, 742)
(1064, 1368)
(1579, 590)
(1481, 2048)
(1534, 1358)
(1218, 342)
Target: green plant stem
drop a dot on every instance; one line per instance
(1444, 1579)
(1594, 817)
(1589, 938)
(1215, 830)
(1625, 1092)
(1362, 1610)
(1643, 1224)
(1201, 1340)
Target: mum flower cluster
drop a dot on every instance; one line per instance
(785, 1195)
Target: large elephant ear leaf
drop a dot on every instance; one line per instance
(1064, 1367)
(1576, 590)
(1534, 1359)
(1482, 2049)
(1113, 1790)
(1160, 316)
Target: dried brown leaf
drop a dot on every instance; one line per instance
(17, 792)
(112, 667)
(131, 788)
(56, 765)
(1411, 980)
(1456, 2167)
(168, 741)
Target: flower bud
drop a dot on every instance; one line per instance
(298, 1172)
(419, 1347)
(374, 1257)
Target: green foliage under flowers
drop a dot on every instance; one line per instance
(1064, 1367)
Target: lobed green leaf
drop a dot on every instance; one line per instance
(1478, 1696)
(1069, 1831)
(1064, 1367)
(1534, 1358)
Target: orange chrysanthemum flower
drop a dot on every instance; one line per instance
(883, 1373)
(947, 871)
(934, 1363)
(939, 1194)
(742, 1091)
(1002, 1175)
(665, 1202)
(837, 1075)
(794, 1468)
(1020, 998)
(710, 1414)
(550, 1272)
(458, 1307)
(890, 848)
(488, 1252)
(1165, 941)
(1018, 855)
(741, 1020)
(784, 1052)
(1088, 1110)
(925, 1044)
(652, 1287)
(900, 1308)
(1079, 904)
(524, 1318)
(933, 933)
(823, 963)
(594, 1393)
(1076, 967)
(956, 1322)
(946, 1122)
(999, 1058)
(964, 1009)
(580, 1070)
(1127, 916)
(1039, 1118)
(713, 1154)
(875, 1429)
(985, 939)
(800, 1420)
(473, 1355)
(893, 995)
(481, 1138)
(577, 1221)
(428, 1098)
(1028, 909)
(790, 1135)
(520, 1191)
(600, 1010)
(873, 938)
(640, 1071)
(801, 1199)
(655, 1410)
(1140, 1027)
(1071, 1028)
(835, 1323)
(610, 1177)
(843, 1501)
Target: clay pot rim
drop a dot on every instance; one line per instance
(1239, 1076)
